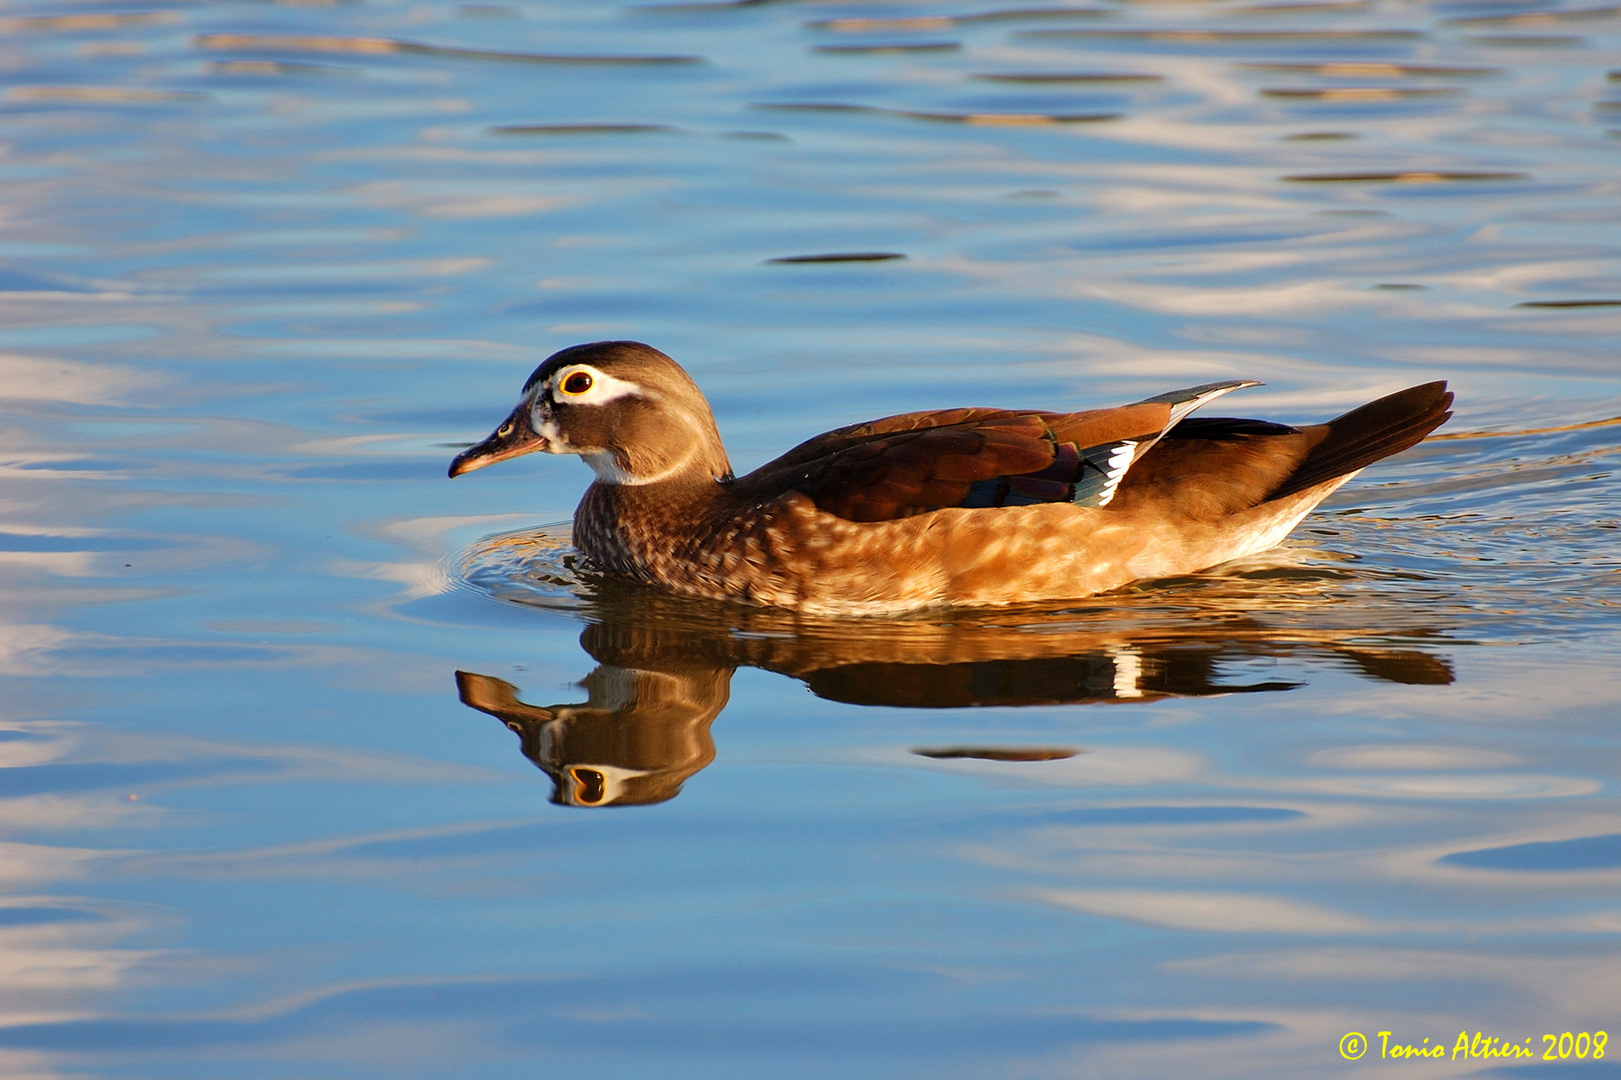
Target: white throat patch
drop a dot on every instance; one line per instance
(607, 468)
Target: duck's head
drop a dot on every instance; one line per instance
(626, 408)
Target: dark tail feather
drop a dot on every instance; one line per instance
(1376, 430)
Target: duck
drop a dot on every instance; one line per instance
(966, 507)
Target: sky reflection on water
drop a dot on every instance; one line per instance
(263, 267)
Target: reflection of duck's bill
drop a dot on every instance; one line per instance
(489, 695)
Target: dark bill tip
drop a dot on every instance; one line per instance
(513, 438)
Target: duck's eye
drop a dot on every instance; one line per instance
(577, 383)
(504, 430)
(592, 785)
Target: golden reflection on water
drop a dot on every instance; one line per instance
(665, 663)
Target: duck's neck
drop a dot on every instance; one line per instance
(633, 529)
(688, 455)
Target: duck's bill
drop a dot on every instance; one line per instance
(512, 439)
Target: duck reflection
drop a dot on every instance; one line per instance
(643, 730)
(665, 666)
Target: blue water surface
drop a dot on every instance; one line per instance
(316, 764)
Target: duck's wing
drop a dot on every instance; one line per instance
(974, 458)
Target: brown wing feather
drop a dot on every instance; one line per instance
(1098, 426)
(913, 472)
(916, 462)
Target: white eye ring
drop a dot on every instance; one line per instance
(582, 384)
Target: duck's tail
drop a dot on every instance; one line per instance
(1367, 434)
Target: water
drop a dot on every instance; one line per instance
(264, 267)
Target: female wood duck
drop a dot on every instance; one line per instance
(955, 507)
